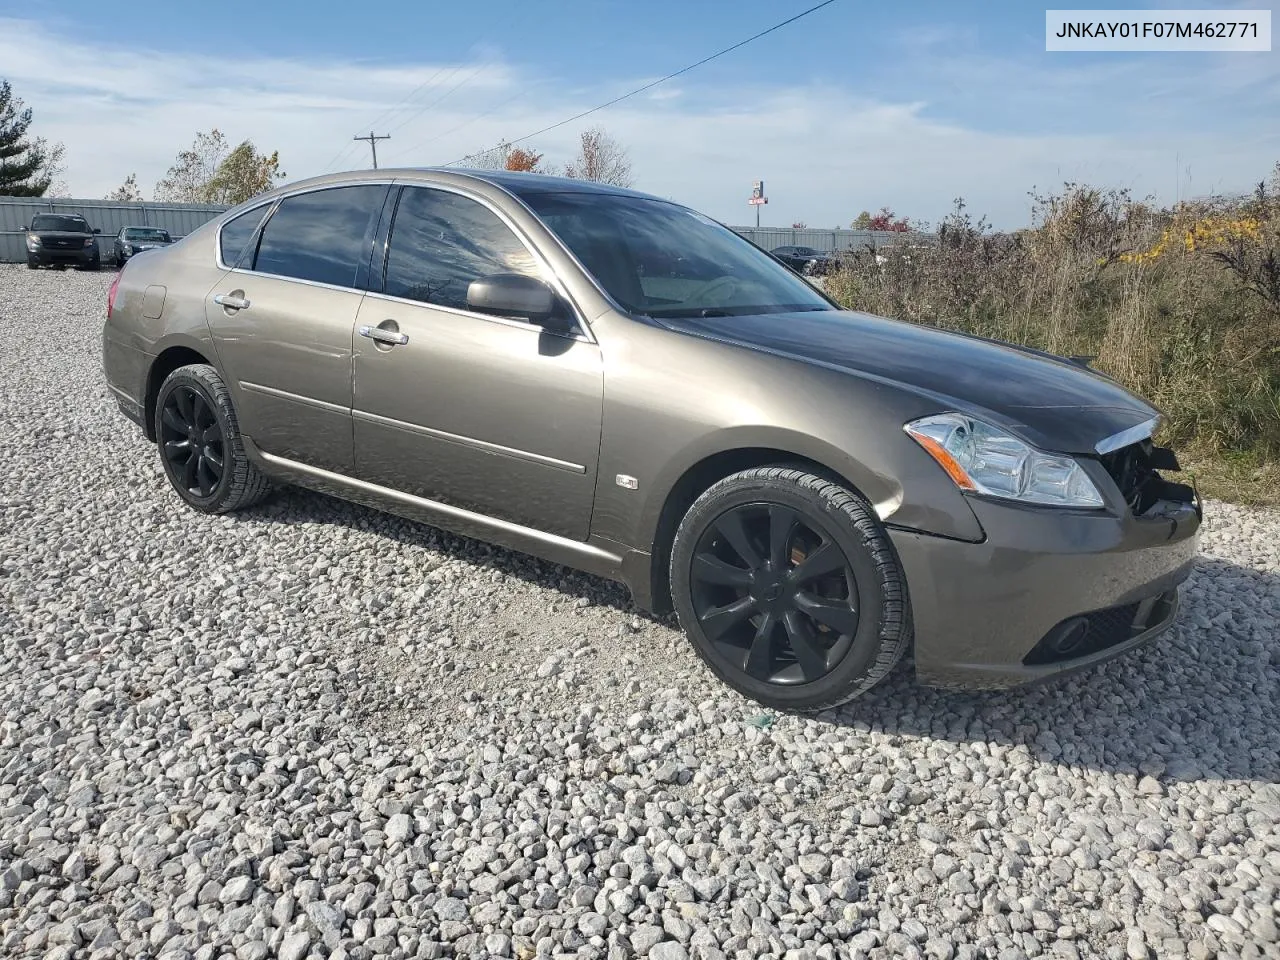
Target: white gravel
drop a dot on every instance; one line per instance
(313, 730)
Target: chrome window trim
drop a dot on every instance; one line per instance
(485, 445)
(525, 240)
(1116, 441)
(295, 397)
(504, 321)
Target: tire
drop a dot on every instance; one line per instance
(791, 636)
(193, 406)
(33, 263)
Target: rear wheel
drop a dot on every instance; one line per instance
(789, 588)
(200, 443)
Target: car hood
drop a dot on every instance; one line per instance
(60, 235)
(1050, 402)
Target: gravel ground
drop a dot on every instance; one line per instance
(313, 730)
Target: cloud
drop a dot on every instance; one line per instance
(824, 151)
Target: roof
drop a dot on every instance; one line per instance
(528, 183)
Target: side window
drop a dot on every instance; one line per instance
(321, 236)
(440, 242)
(237, 232)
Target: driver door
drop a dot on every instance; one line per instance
(491, 414)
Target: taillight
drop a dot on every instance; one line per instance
(111, 295)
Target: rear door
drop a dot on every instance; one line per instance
(488, 413)
(282, 319)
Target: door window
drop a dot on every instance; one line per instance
(441, 241)
(321, 236)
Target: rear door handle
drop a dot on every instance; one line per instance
(390, 337)
(230, 302)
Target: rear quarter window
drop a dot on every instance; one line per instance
(237, 232)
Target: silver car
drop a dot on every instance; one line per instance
(615, 382)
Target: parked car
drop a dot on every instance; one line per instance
(131, 240)
(814, 491)
(805, 259)
(61, 240)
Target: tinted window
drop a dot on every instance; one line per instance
(54, 222)
(708, 270)
(146, 235)
(237, 232)
(320, 236)
(440, 242)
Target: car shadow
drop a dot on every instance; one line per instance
(1202, 702)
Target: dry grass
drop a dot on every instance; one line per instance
(1182, 306)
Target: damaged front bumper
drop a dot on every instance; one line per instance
(1049, 591)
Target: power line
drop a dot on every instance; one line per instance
(654, 83)
(466, 123)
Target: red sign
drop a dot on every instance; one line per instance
(756, 201)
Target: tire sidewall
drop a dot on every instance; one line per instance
(853, 670)
(182, 377)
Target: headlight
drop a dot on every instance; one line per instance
(90, 242)
(32, 242)
(985, 459)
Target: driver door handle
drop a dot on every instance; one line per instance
(390, 337)
(230, 302)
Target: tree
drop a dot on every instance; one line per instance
(242, 174)
(27, 167)
(882, 221)
(495, 158)
(210, 172)
(523, 161)
(127, 192)
(601, 158)
(188, 179)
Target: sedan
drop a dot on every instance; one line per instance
(131, 240)
(805, 259)
(814, 492)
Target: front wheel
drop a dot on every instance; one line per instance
(200, 443)
(788, 587)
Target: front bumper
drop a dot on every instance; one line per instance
(1047, 592)
(49, 256)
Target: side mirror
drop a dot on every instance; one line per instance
(512, 295)
(96, 230)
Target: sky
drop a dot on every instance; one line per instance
(857, 106)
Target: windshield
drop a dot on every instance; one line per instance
(661, 260)
(51, 221)
(146, 235)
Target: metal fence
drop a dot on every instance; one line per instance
(108, 216)
(826, 241)
(181, 218)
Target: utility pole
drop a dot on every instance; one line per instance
(373, 144)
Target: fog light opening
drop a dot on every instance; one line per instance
(1070, 636)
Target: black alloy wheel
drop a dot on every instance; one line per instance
(198, 435)
(191, 441)
(788, 587)
(775, 593)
